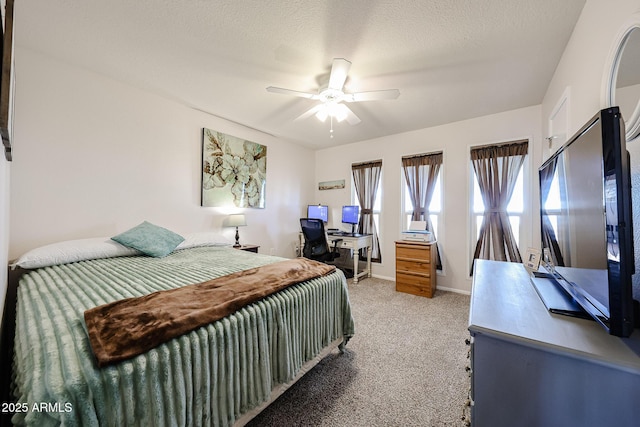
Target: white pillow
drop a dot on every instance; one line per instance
(205, 238)
(72, 251)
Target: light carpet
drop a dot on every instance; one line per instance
(405, 366)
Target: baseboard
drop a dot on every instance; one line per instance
(377, 276)
(438, 287)
(457, 291)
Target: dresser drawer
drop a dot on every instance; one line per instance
(413, 251)
(422, 267)
(415, 285)
(414, 279)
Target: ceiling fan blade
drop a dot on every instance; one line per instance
(283, 91)
(310, 112)
(339, 72)
(351, 116)
(374, 95)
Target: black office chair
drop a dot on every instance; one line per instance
(316, 246)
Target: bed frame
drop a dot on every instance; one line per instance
(7, 337)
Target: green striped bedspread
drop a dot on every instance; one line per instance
(210, 376)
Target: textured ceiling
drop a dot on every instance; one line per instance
(450, 59)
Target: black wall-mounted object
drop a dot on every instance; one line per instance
(6, 81)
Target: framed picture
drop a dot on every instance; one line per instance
(234, 171)
(532, 259)
(331, 185)
(6, 79)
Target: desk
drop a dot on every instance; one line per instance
(355, 243)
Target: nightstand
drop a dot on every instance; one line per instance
(248, 248)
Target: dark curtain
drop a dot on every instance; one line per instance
(548, 235)
(496, 168)
(421, 173)
(366, 178)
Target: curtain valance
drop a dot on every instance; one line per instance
(516, 148)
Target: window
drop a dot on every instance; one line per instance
(498, 180)
(515, 208)
(377, 205)
(435, 207)
(423, 192)
(366, 182)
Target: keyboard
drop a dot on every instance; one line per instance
(345, 234)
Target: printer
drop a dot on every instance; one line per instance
(417, 232)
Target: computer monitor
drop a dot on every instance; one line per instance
(350, 215)
(318, 212)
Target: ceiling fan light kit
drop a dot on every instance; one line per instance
(332, 96)
(334, 110)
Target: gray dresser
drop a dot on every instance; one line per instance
(533, 368)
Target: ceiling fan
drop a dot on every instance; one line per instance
(331, 96)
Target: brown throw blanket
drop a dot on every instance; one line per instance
(126, 328)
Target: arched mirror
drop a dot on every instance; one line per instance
(622, 84)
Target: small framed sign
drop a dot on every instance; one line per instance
(532, 259)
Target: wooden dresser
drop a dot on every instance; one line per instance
(416, 268)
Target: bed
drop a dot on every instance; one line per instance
(220, 374)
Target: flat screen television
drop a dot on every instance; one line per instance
(586, 221)
(350, 215)
(318, 212)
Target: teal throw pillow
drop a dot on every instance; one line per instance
(150, 239)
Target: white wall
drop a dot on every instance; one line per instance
(454, 140)
(627, 98)
(94, 157)
(582, 67)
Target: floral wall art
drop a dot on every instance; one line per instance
(234, 171)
